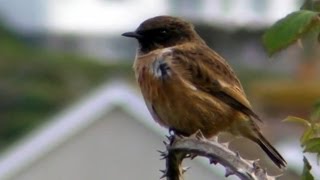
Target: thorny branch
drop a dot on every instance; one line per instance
(180, 148)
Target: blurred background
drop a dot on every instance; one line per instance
(70, 107)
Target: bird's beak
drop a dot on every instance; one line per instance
(132, 35)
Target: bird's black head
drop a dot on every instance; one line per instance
(161, 32)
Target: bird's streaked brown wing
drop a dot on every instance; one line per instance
(209, 72)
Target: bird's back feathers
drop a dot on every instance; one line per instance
(210, 73)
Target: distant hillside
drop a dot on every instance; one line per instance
(35, 83)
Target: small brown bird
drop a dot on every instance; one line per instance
(189, 87)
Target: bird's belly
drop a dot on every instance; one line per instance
(186, 109)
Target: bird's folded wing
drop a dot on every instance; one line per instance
(231, 96)
(209, 72)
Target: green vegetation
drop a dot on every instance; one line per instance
(34, 84)
(310, 139)
(290, 29)
(294, 27)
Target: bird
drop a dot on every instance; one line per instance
(188, 87)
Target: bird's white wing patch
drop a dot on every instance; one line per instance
(160, 68)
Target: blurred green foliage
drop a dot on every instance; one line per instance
(288, 30)
(310, 139)
(295, 26)
(306, 170)
(35, 83)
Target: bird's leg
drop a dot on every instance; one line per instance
(173, 133)
(176, 132)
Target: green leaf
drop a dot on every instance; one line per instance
(289, 29)
(306, 175)
(312, 145)
(297, 120)
(308, 133)
(317, 105)
(315, 115)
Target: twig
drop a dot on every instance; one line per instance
(180, 148)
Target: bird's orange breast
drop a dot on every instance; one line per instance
(179, 105)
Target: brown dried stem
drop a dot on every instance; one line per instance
(180, 148)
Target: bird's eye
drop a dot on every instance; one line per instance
(163, 31)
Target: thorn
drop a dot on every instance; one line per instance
(214, 138)
(163, 176)
(228, 172)
(257, 168)
(226, 144)
(213, 161)
(192, 156)
(164, 173)
(185, 169)
(250, 161)
(165, 143)
(163, 157)
(256, 162)
(163, 154)
(197, 135)
(256, 165)
(193, 136)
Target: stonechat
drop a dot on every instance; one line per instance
(189, 87)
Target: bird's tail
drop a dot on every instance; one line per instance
(273, 154)
(255, 135)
